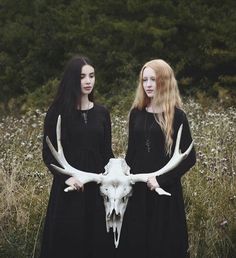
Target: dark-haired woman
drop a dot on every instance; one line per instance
(75, 221)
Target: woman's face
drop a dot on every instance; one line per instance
(149, 82)
(87, 79)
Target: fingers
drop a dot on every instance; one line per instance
(79, 187)
(74, 185)
(69, 189)
(73, 188)
(152, 183)
(150, 186)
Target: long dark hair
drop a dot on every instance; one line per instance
(68, 95)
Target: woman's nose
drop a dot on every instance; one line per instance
(149, 84)
(88, 80)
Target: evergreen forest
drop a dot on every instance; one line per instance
(197, 38)
(37, 38)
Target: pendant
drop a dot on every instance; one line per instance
(148, 145)
(85, 118)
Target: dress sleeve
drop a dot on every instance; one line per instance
(186, 139)
(107, 139)
(131, 146)
(50, 131)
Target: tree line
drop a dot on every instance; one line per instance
(37, 37)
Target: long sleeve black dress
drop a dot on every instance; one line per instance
(75, 221)
(155, 226)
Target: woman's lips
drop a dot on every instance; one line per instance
(87, 88)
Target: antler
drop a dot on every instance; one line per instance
(116, 183)
(173, 163)
(66, 168)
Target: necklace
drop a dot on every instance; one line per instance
(84, 114)
(147, 131)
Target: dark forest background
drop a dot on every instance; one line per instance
(37, 37)
(196, 37)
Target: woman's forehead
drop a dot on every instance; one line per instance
(87, 69)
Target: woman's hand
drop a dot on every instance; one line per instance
(152, 183)
(74, 184)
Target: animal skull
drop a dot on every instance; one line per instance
(116, 188)
(116, 183)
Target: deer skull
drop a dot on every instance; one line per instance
(116, 188)
(116, 183)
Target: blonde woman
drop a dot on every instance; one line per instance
(155, 226)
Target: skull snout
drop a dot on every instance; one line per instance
(114, 207)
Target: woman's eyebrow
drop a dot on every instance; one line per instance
(89, 73)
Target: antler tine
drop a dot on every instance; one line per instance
(186, 153)
(58, 155)
(173, 162)
(67, 169)
(54, 152)
(177, 144)
(58, 131)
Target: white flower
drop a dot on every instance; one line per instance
(29, 156)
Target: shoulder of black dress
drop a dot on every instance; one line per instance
(100, 108)
(52, 112)
(135, 110)
(180, 115)
(179, 112)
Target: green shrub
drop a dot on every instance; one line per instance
(41, 97)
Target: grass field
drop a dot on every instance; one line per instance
(209, 188)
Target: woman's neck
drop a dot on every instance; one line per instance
(85, 103)
(154, 108)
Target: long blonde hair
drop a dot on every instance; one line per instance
(167, 97)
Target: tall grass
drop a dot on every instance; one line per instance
(209, 188)
(24, 185)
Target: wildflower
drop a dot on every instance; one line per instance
(29, 156)
(223, 223)
(232, 198)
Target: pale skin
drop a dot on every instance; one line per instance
(87, 83)
(150, 88)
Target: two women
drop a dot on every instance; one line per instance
(154, 226)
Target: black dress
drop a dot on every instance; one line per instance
(155, 226)
(75, 221)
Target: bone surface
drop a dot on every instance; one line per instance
(116, 182)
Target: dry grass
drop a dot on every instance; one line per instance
(210, 187)
(24, 185)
